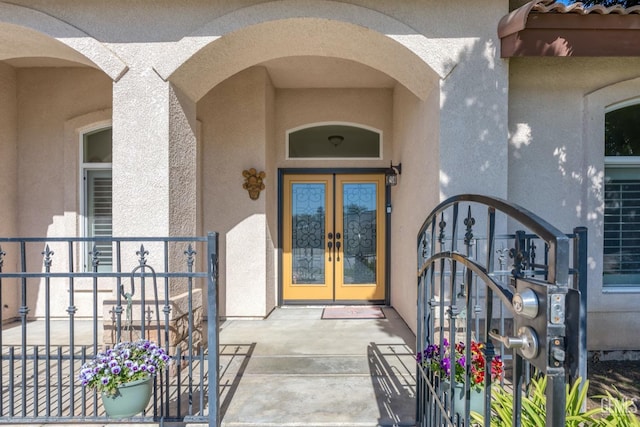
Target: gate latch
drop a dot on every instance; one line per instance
(526, 341)
(556, 352)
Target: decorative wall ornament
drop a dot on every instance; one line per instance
(253, 182)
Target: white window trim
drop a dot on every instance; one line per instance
(82, 172)
(620, 162)
(351, 124)
(595, 105)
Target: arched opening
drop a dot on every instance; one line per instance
(51, 72)
(252, 85)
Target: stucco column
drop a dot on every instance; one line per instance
(154, 174)
(154, 157)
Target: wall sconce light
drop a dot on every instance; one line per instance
(253, 182)
(336, 140)
(392, 174)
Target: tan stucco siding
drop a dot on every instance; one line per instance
(234, 138)
(48, 177)
(8, 150)
(8, 177)
(415, 126)
(47, 98)
(556, 163)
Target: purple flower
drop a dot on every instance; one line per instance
(115, 370)
(445, 364)
(461, 361)
(431, 350)
(105, 380)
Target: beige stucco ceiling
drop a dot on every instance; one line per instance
(22, 47)
(324, 72)
(286, 73)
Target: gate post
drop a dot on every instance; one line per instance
(212, 328)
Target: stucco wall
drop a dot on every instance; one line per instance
(416, 131)
(368, 107)
(556, 165)
(8, 177)
(48, 182)
(234, 127)
(271, 196)
(244, 119)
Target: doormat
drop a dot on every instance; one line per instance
(353, 312)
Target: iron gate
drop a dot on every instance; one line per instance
(67, 311)
(514, 291)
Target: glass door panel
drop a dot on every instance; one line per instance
(307, 269)
(333, 237)
(360, 220)
(308, 219)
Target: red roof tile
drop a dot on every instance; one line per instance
(551, 6)
(547, 28)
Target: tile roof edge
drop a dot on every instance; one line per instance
(579, 8)
(517, 19)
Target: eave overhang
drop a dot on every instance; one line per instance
(546, 28)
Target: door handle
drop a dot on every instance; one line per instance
(526, 341)
(338, 244)
(330, 244)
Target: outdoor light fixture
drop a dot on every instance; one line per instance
(392, 174)
(336, 140)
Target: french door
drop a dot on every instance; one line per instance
(333, 238)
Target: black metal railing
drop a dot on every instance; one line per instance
(493, 272)
(64, 307)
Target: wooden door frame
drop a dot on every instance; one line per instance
(346, 171)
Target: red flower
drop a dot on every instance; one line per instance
(439, 362)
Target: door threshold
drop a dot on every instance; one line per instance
(317, 303)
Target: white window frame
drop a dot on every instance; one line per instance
(620, 162)
(84, 168)
(350, 124)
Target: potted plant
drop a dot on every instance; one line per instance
(124, 376)
(443, 363)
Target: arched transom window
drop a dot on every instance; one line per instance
(331, 141)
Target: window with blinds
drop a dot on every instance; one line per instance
(621, 261)
(99, 222)
(98, 197)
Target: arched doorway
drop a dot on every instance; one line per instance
(252, 85)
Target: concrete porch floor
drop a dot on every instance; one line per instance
(295, 369)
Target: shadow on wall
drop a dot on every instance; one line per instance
(473, 124)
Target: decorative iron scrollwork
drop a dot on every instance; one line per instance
(469, 222)
(441, 226)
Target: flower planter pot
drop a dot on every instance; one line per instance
(476, 398)
(130, 399)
